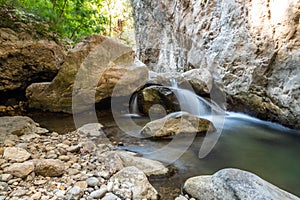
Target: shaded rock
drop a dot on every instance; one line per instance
(90, 73)
(20, 170)
(149, 167)
(26, 61)
(50, 167)
(157, 100)
(134, 180)
(12, 127)
(177, 123)
(231, 184)
(249, 48)
(92, 129)
(16, 154)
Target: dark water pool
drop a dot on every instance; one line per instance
(266, 149)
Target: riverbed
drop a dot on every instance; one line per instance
(267, 149)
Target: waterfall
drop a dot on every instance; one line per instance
(133, 106)
(173, 82)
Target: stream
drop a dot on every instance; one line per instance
(267, 149)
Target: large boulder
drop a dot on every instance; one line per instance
(24, 61)
(96, 68)
(175, 124)
(250, 47)
(234, 184)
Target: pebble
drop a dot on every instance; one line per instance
(3, 186)
(74, 161)
(75, 192)
(73, 149)
(98, 193)
(93, 181)
(51, 156)
(36, 196)
(110, 196)
(5, 177)
(60, 193)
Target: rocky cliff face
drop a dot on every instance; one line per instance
(250, 47)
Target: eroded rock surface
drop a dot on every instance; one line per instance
(250, 47)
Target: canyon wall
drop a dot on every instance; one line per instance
(251, 47)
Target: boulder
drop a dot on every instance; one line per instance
(175, 124)
(24, 61)
(149, 167)
(20, 170)
(250, 47)
(132, 183)
(96, 68)
(12, 127)
(112, 163)
(50, 167)
(16, 154)
(231, 184)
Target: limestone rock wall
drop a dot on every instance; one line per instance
(251, 47)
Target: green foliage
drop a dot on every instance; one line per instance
(72, 19)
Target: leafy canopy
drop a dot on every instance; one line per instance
(73, 19)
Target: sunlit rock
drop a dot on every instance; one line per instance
(132, 183)
(175, 124)
(233, 184)
(96, 68)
